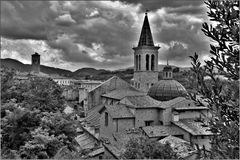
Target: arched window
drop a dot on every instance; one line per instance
(106, 119)
(139, 62)
(166, 74)
(147, 62)
(152, 62)
(136, 62)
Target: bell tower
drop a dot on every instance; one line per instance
(35, 63)
(145, 59)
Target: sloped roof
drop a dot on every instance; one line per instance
(121, 93)
(161, 130)
(146, 35)
(85, 141)
(183, 108)
(172, 102)
(193, 127)
(93, 116)
(118, 111)
(143, 101)
(181, 103)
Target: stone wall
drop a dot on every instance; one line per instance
(124, 124)
(71, 94)
(106, 131)
(142, 115)
(94, 96)
(192, 114)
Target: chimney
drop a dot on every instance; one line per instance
(175, 116)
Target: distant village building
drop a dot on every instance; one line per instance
(76, 90)
(36, 63)
(63, 81)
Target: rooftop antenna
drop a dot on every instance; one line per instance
(167, 62)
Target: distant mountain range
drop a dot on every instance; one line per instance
(83, 72)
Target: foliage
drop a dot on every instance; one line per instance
(141, 148)
(225, 34)
(221, 95)
(32, 120)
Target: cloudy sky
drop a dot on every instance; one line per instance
(101, 34)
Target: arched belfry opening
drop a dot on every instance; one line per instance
(147, 62)
(139, 62)
(152, 62)
(136, 62)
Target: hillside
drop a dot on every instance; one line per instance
(83, 73)
(19, 66)
(88, 71)
(15, 64)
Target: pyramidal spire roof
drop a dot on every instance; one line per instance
(146, 35)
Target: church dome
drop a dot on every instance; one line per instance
(167, 89)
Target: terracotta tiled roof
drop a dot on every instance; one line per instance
(193, 127)
(181, 108)
(172, 102)
(85, 141)
(121, 93)
(161, 130)
(119, 111)
(93, 116)
(143, 101)
(181, 103)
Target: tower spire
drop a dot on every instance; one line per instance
(146, 35)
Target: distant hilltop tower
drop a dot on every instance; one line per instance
(145, 59)
(35, 63)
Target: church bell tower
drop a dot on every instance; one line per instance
(35, 63)
(145, 59)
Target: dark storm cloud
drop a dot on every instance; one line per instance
(102, 34)
(21, 20)
(153, 5)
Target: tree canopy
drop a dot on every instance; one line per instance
(142, 148)
(32, 120)
(221, 94)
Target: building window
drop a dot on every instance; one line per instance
(152, 62)
(148, 123)
(147, 62)
(106, 119)
(138, 85)
(136, 62)
(161, 122)
(139, 62)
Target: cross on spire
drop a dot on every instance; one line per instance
(146, 12)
